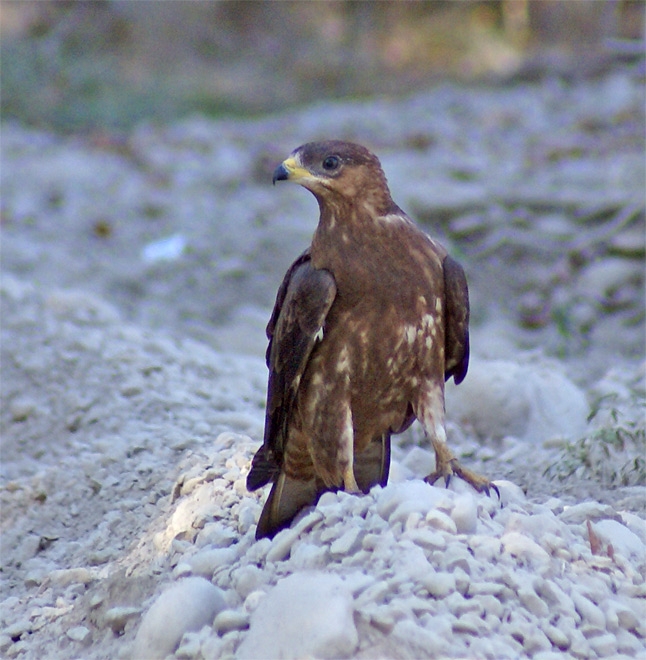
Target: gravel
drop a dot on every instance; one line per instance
(137, 276)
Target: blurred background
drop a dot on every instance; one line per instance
(78, 66)
(139, 138)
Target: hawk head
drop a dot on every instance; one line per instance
(335, 171)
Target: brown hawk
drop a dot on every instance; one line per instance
(368, 324)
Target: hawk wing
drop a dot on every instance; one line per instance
(296, 324)
(456, 319)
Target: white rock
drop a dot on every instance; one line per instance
(548, 655)
(536, 641)
(489, 605)
(65, 576)
(373, 594)
(247, 579)
(420, 462)
(469, 623)
(604, 645)
(485, 588)
(462, 580)
(622, 539)
(521, 546)
(555, 597)
(580, 513)
(205, 561)
(485, 548)
(169, 248)
(281, 545)
(427, 538)
(117, 617)
(395, 503)
(465, 513)
(78, 633)
(308, 556)
(185, 606)
(228, 620)
(457, 557)
(439, 520)
(418, 640)
(253, 600)
(358, 582)
(627, 618)
(629, 644)
(532, 602)
(438, 585)
(305, 614)
(348, 543)
(555, 635)
(532, 402)
(510, 493)
(635, 524)
(588, 611)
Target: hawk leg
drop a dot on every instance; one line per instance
(349, 482)
(447, 465)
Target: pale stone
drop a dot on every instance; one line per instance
(528, 401)
(533, 603)
(556, 636)
(305, 614)
(588, 610)
(66, 576)
(185, 606)
(604, 645)
(521, 546)
(622, 539)
(439, 520)
(427, 538)
(438, 585)
(418, 640)
(465, 513)
(228, 620)
(78, 633)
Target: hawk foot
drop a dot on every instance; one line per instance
(452, 467)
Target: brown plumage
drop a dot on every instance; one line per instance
(368, 324)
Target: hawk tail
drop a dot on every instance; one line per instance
(289, 496)
(286, 498)
(263, 470)
(371, 466)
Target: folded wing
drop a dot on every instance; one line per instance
(296, 325)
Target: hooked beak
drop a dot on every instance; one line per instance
(290, 170)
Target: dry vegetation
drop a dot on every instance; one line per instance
(105, 65)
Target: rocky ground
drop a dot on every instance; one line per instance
(137, 276)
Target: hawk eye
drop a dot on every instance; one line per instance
(331, 163)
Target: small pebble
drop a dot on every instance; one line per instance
(66, 576)
(604, 645)
(117, 617)
(228, 620)
(438, 585)
(465, 514)
(588, 611)
(281, 545)
(556, 636)
(78, 633)
(439, 520)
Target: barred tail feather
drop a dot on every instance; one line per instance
(372, 465)
(286, 498)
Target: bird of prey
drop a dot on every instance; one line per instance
(368, 324)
